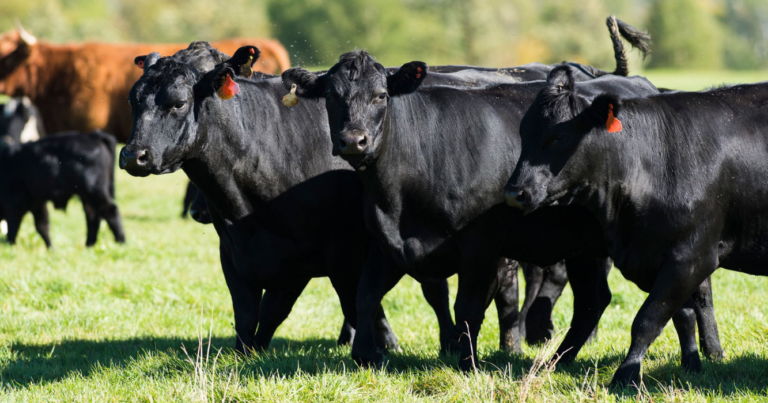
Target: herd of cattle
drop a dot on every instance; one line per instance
(373, 173)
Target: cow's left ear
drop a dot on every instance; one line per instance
(604, 112)
(407, 79)
(146, 61)
(308, 84)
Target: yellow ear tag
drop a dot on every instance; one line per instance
(291, 99)
(245, 69)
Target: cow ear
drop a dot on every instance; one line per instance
(243, 59)
(308, 84)
(407, 79)
(561, 78)
(146, 61)
(604, 112)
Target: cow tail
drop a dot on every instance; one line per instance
(639, 40)
(111, 142)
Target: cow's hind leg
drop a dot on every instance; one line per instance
(92, 220)
(709, 337)
(275, 308)
(685, 324)
(42, 223)
(14, 218)
(507, 306)
(539, 326)
(437, 295)
(111, 215)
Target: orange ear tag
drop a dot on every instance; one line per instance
(418, 72)
(613, 125)
(228, 88)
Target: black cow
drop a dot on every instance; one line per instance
(434, 161)
(282, 211)
(675, 181)
(55, 169)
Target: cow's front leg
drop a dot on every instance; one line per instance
(672, 287)
(507, 306)
(245, 302)
(437, 296)
(538, 321)
(42, 223)
(534, 276)
(379, 276)
(275, 308)
(477, 288)
(591, 295)
(709, 337)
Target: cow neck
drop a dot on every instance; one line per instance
(254, 148)
(428, 169)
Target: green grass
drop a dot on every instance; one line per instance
(109, 323)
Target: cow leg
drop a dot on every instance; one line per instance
(539, 325)
(378, 277)
(507, 305)
(111, 214)
(189, 197)
(92, 220)
(685, 325)
(42, 224)
(591, 296)
(477, 288)
(245, 302)
(534, 275)
(709, 337)
(673, 286)
(437, 295)
(14, 223)
(347, 334)
(347, 289)
(275, 308)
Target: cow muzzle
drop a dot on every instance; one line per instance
(135, 161)
(515, 196)
(354, 143)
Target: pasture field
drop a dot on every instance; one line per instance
(125, 323)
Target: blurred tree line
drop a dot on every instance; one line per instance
(703, 34)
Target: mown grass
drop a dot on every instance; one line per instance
(124, 323)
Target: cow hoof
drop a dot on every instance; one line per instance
(626, 375)
(692, 363)
(373, 360)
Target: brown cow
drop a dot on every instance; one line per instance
(85, 86)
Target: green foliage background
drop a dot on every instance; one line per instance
(691, 34)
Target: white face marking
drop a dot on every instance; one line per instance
(30, 132)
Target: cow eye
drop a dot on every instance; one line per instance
(179, 104)
(559, 138)
(383, 95)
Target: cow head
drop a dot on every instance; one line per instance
(357, 93)
(166, 101)
(17, 47)
(562, 137)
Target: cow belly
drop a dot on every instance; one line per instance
(272, 262)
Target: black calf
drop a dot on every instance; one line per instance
(55, 169)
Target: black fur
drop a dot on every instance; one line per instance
(679, 192)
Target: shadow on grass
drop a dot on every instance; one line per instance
(23, 365)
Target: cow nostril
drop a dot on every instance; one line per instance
(363, 142)
(143, 158)
(342, 144)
